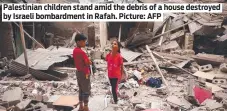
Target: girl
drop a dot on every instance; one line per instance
(115, 68)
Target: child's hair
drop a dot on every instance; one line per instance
(80, 37)
(119, 46)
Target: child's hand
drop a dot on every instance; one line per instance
(86, 76)
(90, 62)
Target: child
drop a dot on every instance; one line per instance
(82, 63)
(115, 68)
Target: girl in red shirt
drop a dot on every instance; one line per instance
(115, 68)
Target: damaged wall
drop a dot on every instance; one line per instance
(6, 40)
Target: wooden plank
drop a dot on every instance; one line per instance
(157, 66)
(24, 47)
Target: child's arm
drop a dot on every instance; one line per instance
(122, 66)
(86, 60)
(122, 69)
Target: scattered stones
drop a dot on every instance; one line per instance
(178, 101)
(180, 79)
(161, 91)
(140, 107)
(23, 105)
(211, 104)
(223, 67)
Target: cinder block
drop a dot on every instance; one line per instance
(219, 81)
(223, 67)
(206, 68)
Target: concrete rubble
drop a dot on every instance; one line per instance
(177, 64)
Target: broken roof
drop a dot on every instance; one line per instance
(42, 59)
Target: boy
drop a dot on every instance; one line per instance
(82, 63)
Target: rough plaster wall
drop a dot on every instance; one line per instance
(6, 35)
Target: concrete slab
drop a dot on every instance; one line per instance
(170, 45)
(212, 104)
(204, 75)
(23, 104)
(16, 94)
(179, 101)
(214, 87)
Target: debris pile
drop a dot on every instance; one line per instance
(179, 64)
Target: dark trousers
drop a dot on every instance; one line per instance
(114, 85)
(84, 87)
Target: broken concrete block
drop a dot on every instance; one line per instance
(172, 45)
(45, 98)
(219, 96)
(194, 69)
(204, 75)
(178, 101)
(135, 101)
(15, 95)
(180, 79)
(202, 108)
(140, 107)
(23, 105)
(223, 67)
(211, 104)
(161, 91)
(206, 68)
(219, 81)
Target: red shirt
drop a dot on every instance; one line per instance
(114, 64)
(80, 60)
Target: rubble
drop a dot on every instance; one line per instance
(179, 102)
(205, 68)
(204, 75)
(23, 105)
(211, 104)
(223, 67)
(16, 98)
(164, 61)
